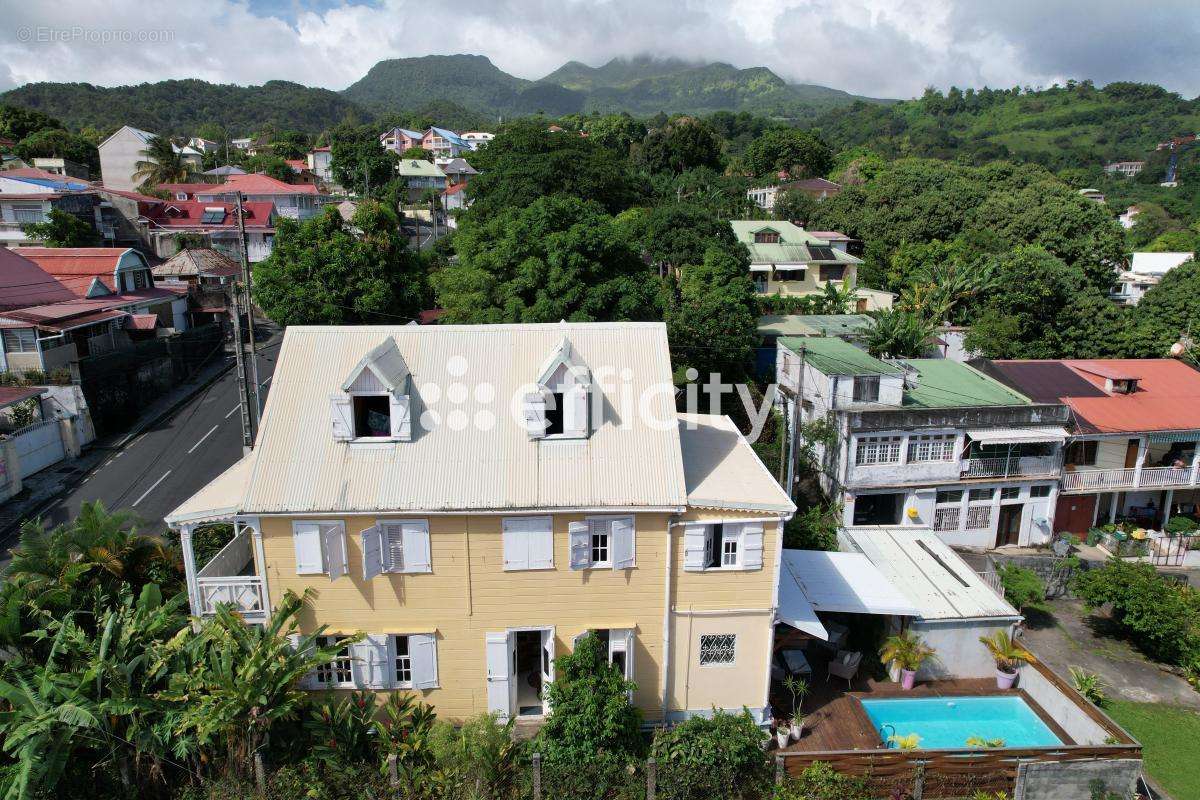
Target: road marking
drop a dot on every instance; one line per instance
(151, 489)
(232, 411)
(268, 380)
(200, 441)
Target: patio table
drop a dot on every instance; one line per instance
(796, 662)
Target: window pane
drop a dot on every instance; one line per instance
(372, 416)
(403, 662)
(1039, 491)
(717, 648)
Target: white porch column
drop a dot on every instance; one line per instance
(1143, 446)
(1167, 507)
(189, 567)
(1112, 509)
(260, 559)
(1195, 464)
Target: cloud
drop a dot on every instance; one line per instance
(883, 48)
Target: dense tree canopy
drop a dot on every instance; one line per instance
(321, 272)
(17, 122)
(676, 234)
(1168, 312)
(526, 162)
(712, 317)
(357, 160)
(56, 143)
(63, 230)
(683, 143)
(557, 258)
(798, 153)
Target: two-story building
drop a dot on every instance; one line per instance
(788, 261)
(121, 152)
(420, 176)
(817, 188)
(1135, 424)
(28, 195)
(476, 498)
(320, 161)
(926, 443)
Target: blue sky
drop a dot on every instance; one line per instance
(882, 48)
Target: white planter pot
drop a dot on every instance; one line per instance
(782, 736)
(797, 731)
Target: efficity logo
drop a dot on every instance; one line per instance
(612, 398)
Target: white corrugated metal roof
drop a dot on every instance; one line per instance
(793, 605)
(843, 582)
(1157, 263)
(473, 452)
(219, 499)
(929, 573)
(1016, 435)
(723, 471)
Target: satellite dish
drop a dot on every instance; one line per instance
(1178, 349)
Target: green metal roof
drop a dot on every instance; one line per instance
(793, 245)
(416, 167)
(813, 324)
(833, 356)
(944, 383)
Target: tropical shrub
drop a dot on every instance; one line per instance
(1181, 525)
(822, 782)
(1089, 685)
(906, 650)
(479, 759)
(1008, 655)
(1022, 587)
(706, 758)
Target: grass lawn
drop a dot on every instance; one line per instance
(1169, 734)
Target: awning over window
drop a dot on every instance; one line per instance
(142, 322)
(1174, 436)
(814, 580)
(1018, 435)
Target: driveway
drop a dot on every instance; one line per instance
(1071, 636)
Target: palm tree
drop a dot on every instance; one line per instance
(939, 289)
(1008, 654)
(906, 650)
(899, 334)
(162, 164)
(835, 298)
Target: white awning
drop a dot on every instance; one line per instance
(760, 267)
(794, 608)
(842, 582)
(1018, 435)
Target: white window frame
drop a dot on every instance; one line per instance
(716, 664)
(607, 521)
(931, 447)
(332, 668)
(597, 528)
(354, 417)
(320, 524)
(394, 658)
(871, 450)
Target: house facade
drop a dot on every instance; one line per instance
(28, 195)
(1132, 451)
(420, 176)
(537, 504)
(1145, 271)
(930, 443)
(817, 188)
(215, 221)
(121, 152)
(1127, 169)
(320, 161)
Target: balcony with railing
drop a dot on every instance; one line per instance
(228, 578)
(1009, 467)
(1102, 480)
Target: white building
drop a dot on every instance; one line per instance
(1145, 271)
(121, 152)
(477, 139)
(1125, 168)
(926, 443)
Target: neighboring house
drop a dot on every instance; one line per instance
(224, 172)
(1126, 169)
(1129, 218)
(400, 139)
(216, 221)
(198, 267)
(818, 188)
(1145, 271)
(1095, 195)
(121, 152)
(771, 327)
(203, 145)
(477, 139)
(789, 261)
(420, 176)
(296, 201)
(476, 498)
(1132, 452)
(61, 167)
(125, 217)
(28, 195)
(444, 142)
(457, 170)
(320, 162)
(242, 144)
(928, 443)
(454, 198)
(303, 175)
(187, 191)
(66, 303)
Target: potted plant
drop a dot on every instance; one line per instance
(798, 688)
(782, 733)
(1008, 655)
(907, 652)
(910, 741)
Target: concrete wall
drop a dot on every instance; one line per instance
(1072, 780)
(958, 651)
(119, 155)
(1063, 709)
(68, 401)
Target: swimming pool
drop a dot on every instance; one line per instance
(947, 722)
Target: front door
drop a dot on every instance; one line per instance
(1075, 512)
(1009, 529)
(501, 680)
(1131, 453)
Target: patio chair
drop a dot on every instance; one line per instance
(845, 666)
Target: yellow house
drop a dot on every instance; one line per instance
(475, 498)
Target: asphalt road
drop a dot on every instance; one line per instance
(170, 461)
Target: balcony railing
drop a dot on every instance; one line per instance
(243, 592)
(1105, 479)
(1005, 467)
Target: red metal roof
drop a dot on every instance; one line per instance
(189, 188)
(141, 198)
(11, 395)
(77, 267)
(455, 188)
(189, 213)
(35, 172)
(142, 322)
(55, 313)
(1167, 397)
(258, 183)
(24, 283)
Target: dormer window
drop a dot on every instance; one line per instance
(1123, 385)
(561, 407)
(374, 404)
(766, 236)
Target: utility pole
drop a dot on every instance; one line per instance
(794, 430)
(247, 281)
(240, 357)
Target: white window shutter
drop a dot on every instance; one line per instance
(342, 414)
(622, 543)
(620, 640)
(581, 544)
(333, 535)
(422, 650)
(372, 550)
(392, 539)
(515, 538)
(401, 414)
(360, 664)
(308, 680)
(306, 536)
(535, 415)
(377, 660)
(695, 546)
(752, 545)
(416, 547)
(575, 411)
(540, 536)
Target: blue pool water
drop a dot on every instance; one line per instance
(947, 722)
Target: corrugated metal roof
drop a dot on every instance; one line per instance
(219, 499)
(464, 376)
(813, 324)
(832, 356)
(945, 383)
(930, 574)
(843, 583)
(723, 471)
